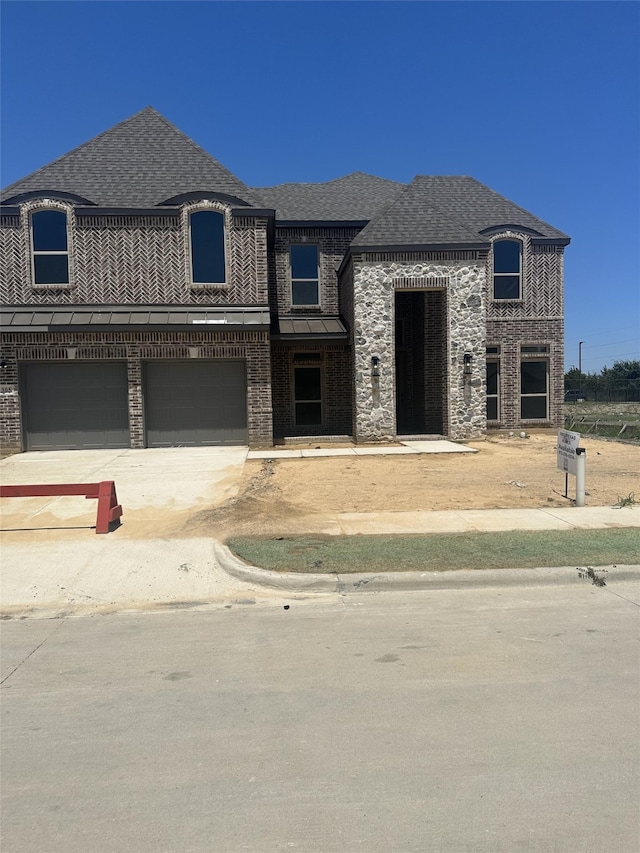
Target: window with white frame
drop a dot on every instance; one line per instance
(303, 263)
(207, 245)
(49, 247)
(507, 269)
(534, 382)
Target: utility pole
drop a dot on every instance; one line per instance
(580, 358)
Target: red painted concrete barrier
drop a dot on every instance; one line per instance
(109, 509)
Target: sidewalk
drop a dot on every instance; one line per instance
(470, 520)
(463, 521)
(50, 568)
(84, 573)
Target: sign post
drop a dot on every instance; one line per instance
(572, 460)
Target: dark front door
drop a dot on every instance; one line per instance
(420, 349)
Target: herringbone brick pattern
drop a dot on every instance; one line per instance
(133, 260)
(542, 284)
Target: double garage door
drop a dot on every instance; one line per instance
(84, 405)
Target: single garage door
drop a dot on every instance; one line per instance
(194, 403)
(75, 405)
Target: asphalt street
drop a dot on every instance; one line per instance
(497, 719)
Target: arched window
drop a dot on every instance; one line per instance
(49, 246)
(206, 229)
(507, 269)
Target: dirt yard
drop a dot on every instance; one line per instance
(505, 473)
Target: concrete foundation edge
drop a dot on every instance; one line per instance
(401, 581)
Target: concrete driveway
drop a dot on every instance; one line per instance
(53, 560)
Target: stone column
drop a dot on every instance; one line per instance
(374, 397)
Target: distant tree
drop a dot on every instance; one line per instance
(618, 383)
(622, 381)
(573, 379)
(589, 382)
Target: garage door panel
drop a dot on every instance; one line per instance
(195, 403)
(75, 406)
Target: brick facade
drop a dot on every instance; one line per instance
(412, 284)
(536, 319)
(136, 348)
(334, 361)
(333, 244)
(134, 260)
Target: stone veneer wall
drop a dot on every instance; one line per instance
(136, 347)
(375, 280)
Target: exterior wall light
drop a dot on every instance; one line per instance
(375, 365)
(466, 361)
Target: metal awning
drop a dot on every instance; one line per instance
(310, 328)
(57, 318)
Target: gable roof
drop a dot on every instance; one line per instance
(141, 162)
(357, 197)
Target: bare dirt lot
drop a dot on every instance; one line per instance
(505, 473)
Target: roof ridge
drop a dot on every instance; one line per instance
(448, 216)
(373, 222)
(513, 204)
(64, 156)
(199, 148)
(331, 181)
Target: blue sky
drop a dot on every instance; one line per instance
(539, 100)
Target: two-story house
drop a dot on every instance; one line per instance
(152, 299)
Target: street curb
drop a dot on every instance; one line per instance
(406, 581)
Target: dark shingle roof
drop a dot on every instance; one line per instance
(140, 163)
(145, 161)
(412, 220)
(443, 210)
(355, 198)
(478, 207)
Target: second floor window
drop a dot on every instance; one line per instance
(303, 260)
(50, 248)
(507, 269)
(207, 247)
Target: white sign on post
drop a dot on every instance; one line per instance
(567, 446)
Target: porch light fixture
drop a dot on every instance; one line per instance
(466, 360)
(375, 365)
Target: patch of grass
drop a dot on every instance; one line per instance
(630, 500)
(439, 551)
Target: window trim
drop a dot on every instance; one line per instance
(33, 252)
(507, 238)
(292, 280)
(306, 366)
(539, 359)
(494, 358)
(207, 208)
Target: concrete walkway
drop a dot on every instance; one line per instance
(53, 563)
(474, 520)
(404, 447)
